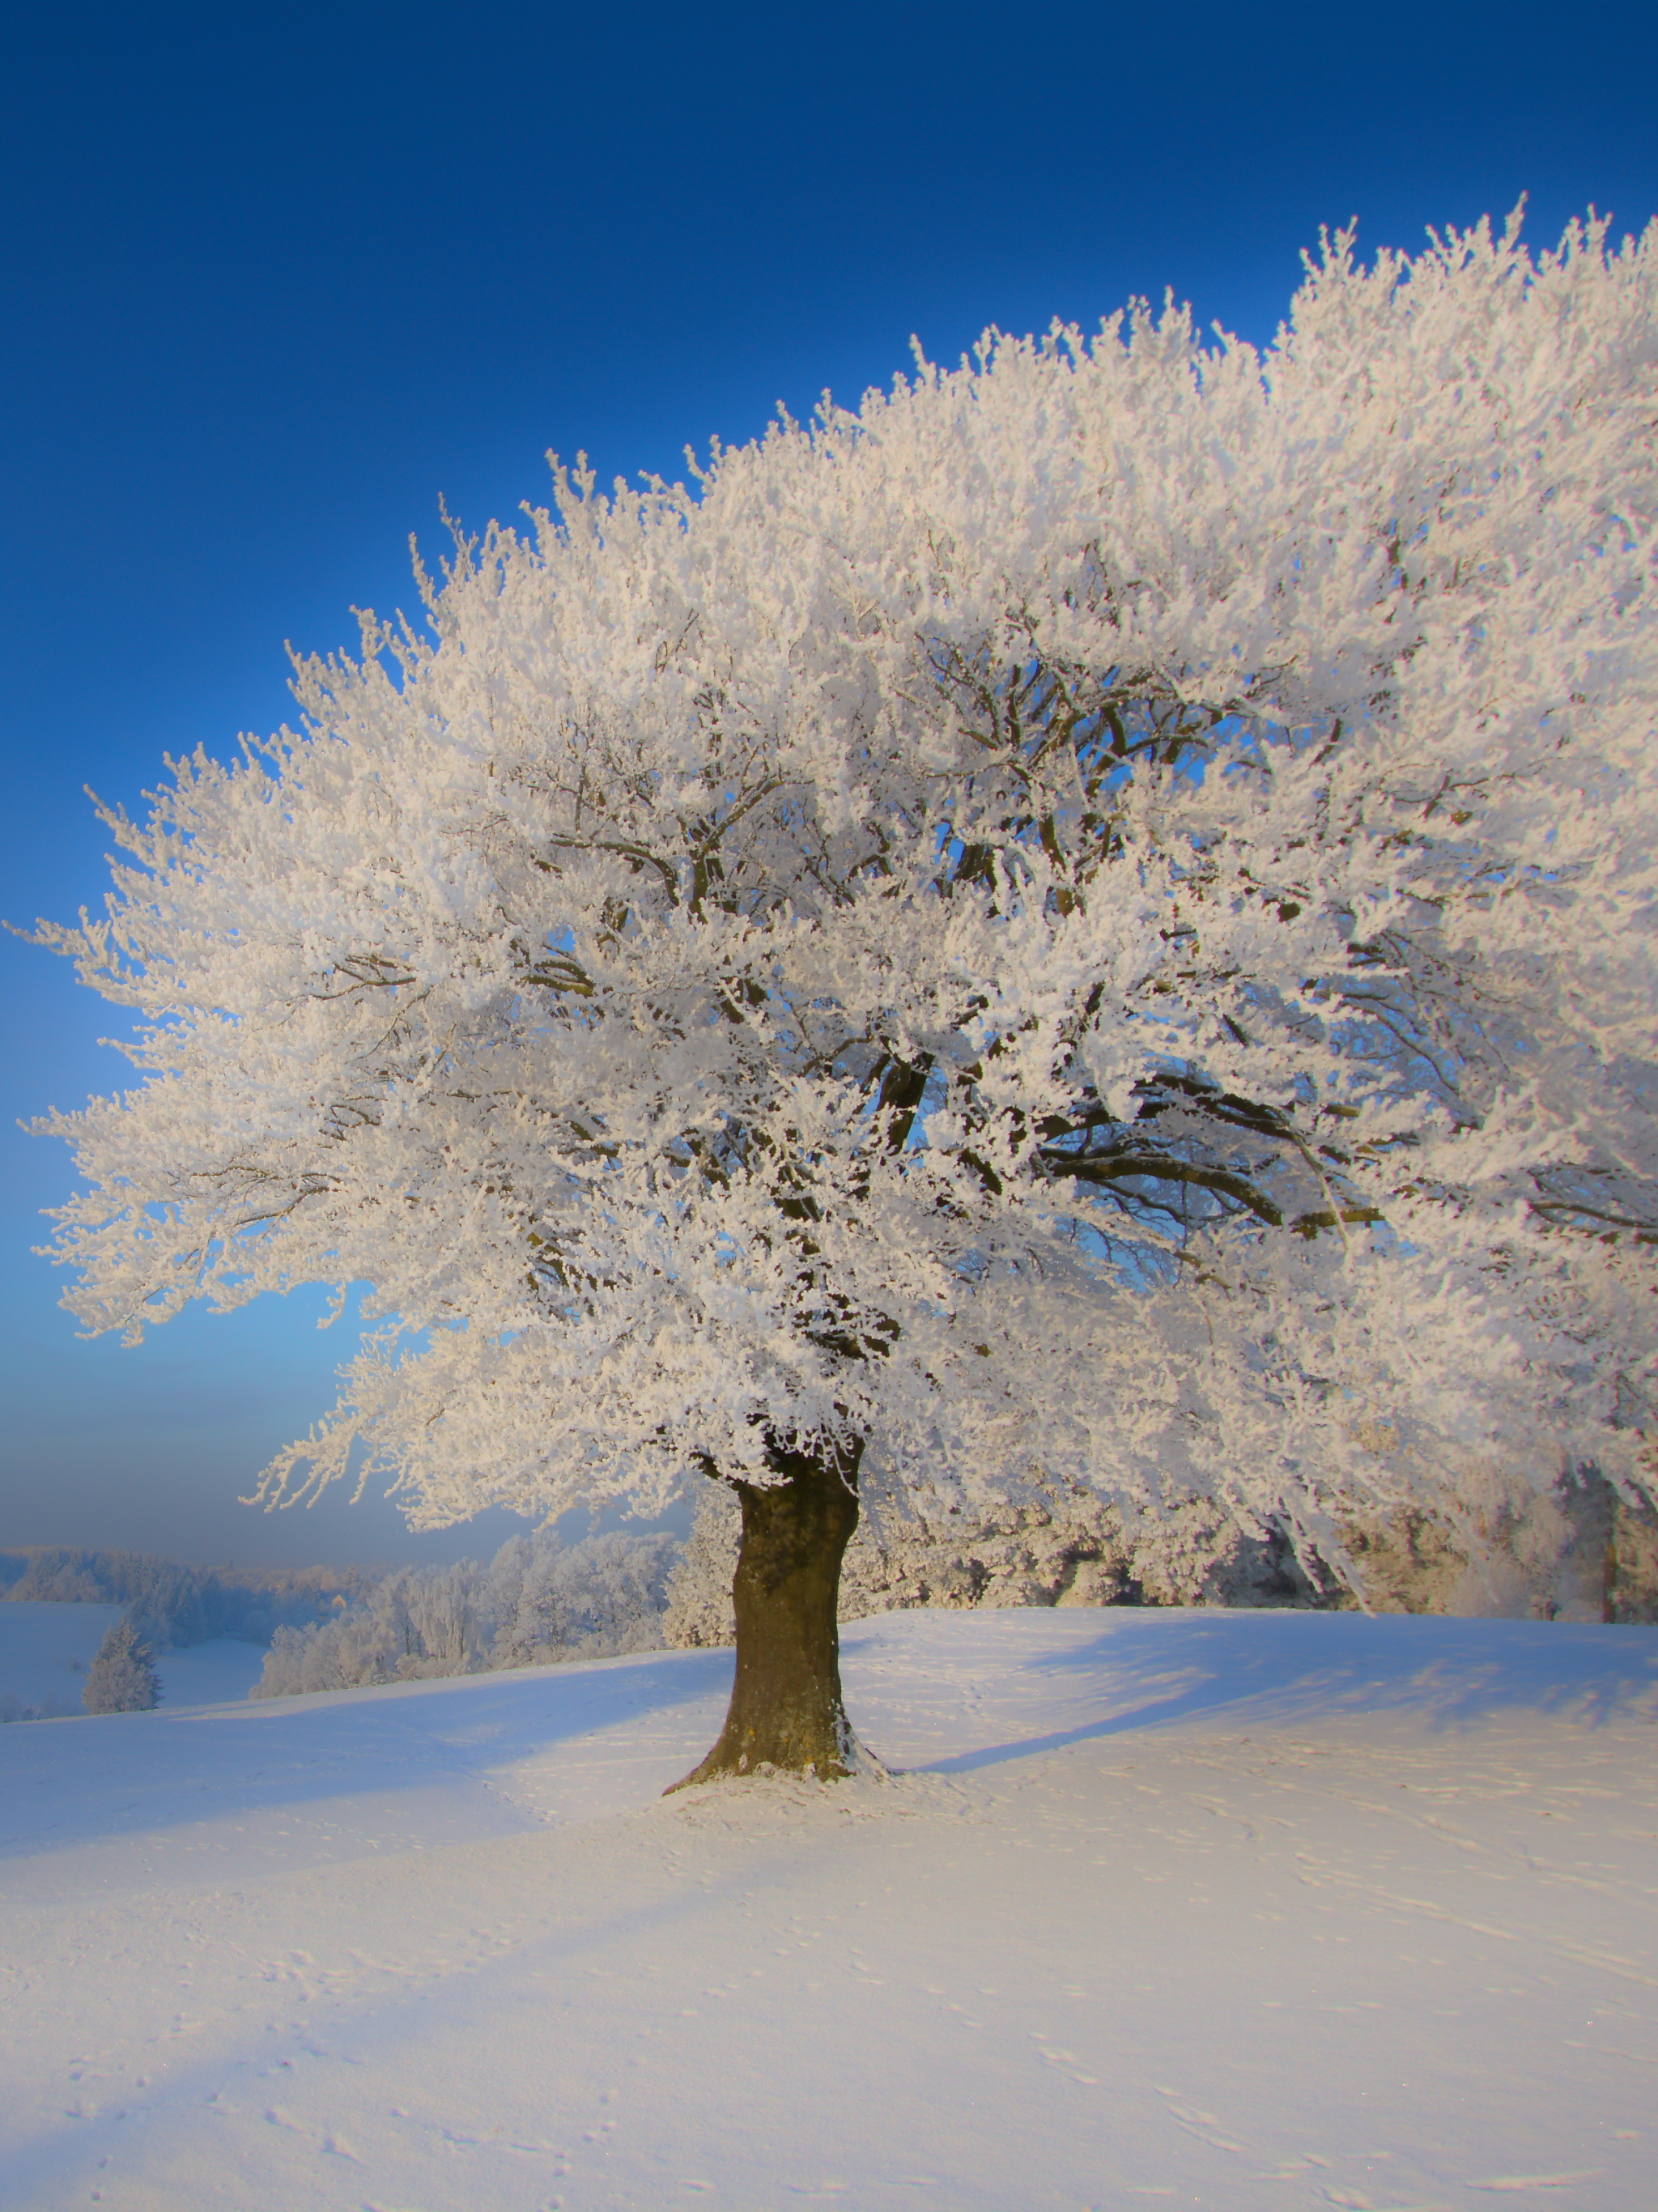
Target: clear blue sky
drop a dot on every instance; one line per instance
(276, 278)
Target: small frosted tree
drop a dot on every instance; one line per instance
(1087, 924)
(121, 1678)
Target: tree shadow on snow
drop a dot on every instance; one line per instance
(1242, 1671)
(129, 1773)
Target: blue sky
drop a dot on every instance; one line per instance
(278, 278)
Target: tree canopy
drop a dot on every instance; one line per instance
(1089, 921)
(121, 1678)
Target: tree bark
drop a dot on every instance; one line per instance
(786, 1712)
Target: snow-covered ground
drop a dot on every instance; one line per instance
(209, 1674)
(1234, 1910)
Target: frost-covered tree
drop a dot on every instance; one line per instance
(537, 1601)
(1088, 923)
(121, 1678)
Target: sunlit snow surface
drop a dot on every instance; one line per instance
(1227, 1910)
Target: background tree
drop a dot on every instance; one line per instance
(1089, 923)
(537, 1602)
(121, 1678)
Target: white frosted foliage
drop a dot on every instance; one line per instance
(537, 1602)
(122, 1677)
(1089, 922)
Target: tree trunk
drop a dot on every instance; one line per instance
(786, 1709)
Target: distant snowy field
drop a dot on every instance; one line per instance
(45, 1649)
(44, 1652)
(209, 1674)
(1232, 1910)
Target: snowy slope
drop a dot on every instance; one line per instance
(1243, 1910)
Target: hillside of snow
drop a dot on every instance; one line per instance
(1242, 1910)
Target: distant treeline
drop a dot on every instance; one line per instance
(171, 1604)
(538, 1602)
(1576, 1552)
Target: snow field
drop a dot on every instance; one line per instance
(44, 1652)
(1232, 1910)
(45, 1649)
(209, 1674)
